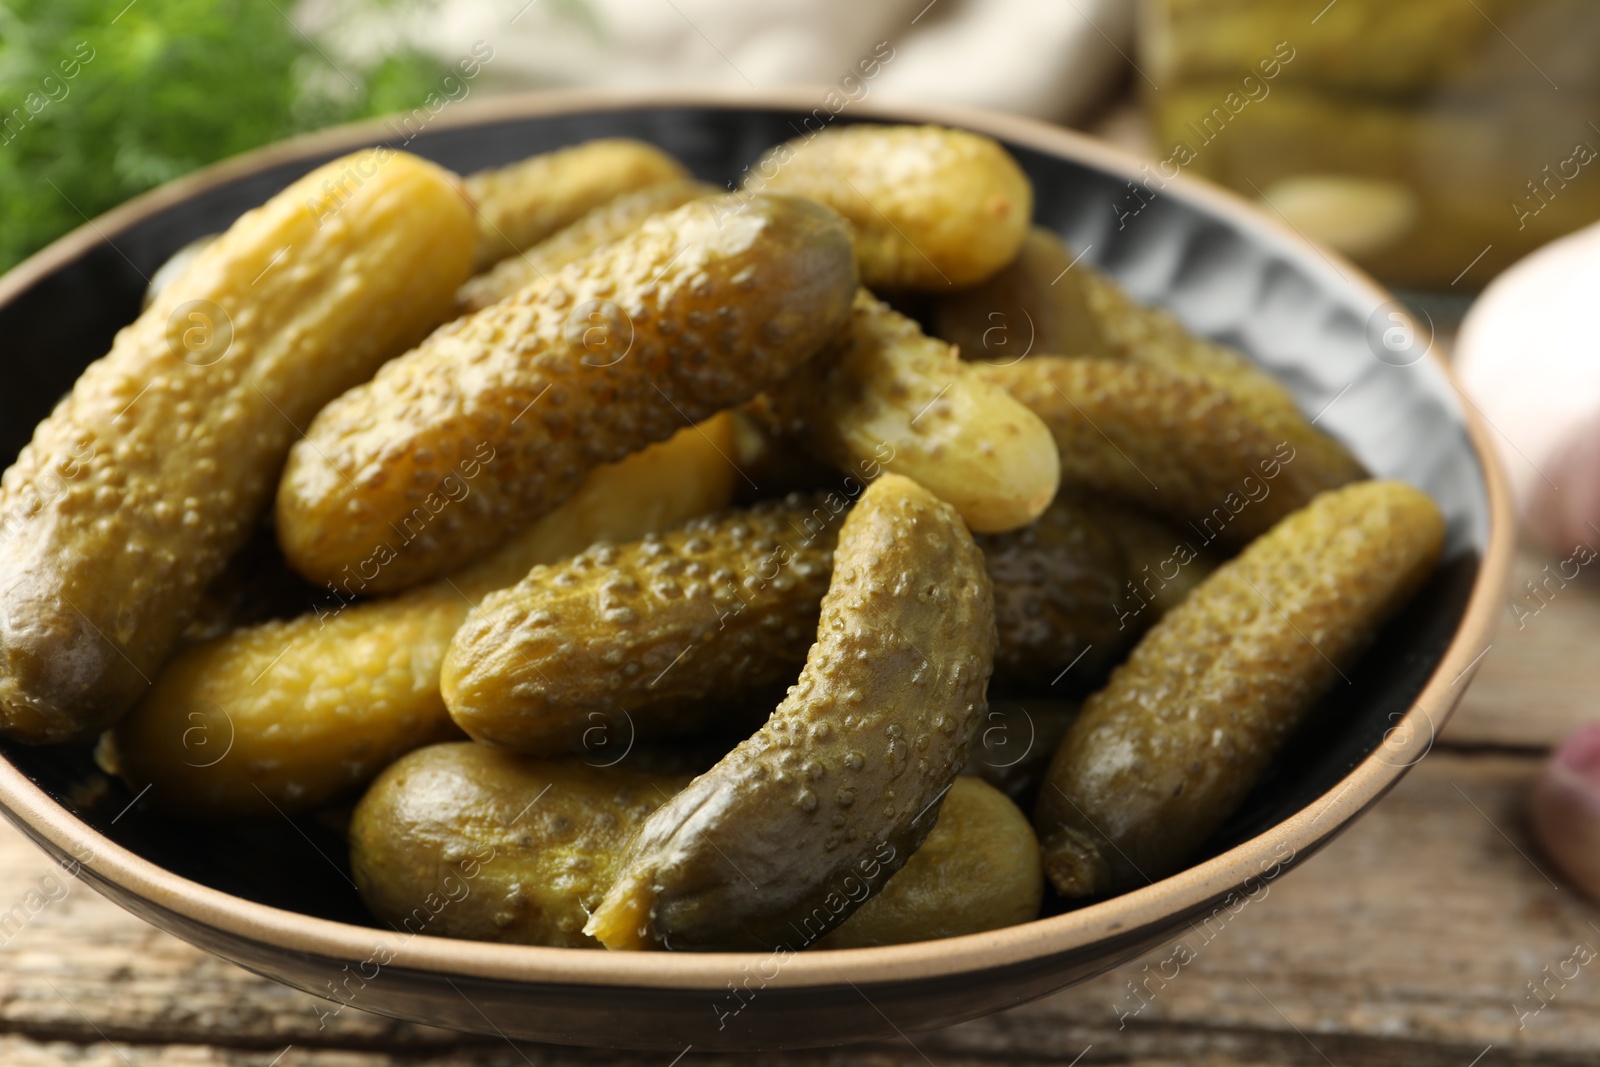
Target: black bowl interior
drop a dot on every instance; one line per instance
(1241, 285)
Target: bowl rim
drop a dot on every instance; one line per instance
(1260, 858)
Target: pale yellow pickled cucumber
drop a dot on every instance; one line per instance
(142, 482)
(978, 870)
(891, 398)
(929, 207)
(522, 203)
(297, 713)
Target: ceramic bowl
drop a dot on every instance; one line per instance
(1230, 271)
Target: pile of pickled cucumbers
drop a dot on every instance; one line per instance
(658, 566)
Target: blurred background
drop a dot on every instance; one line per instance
(1434, 141)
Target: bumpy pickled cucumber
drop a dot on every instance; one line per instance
(1038, 306)
(891, 398)
(600, 226)
(1176, 444)
(521, 204)
(459, 840)
(683, 629)
(978, 870)
(1075, 590)
(1057, 587)
(142, 482)
(695, 312)
(1153, 336)
(1032, 307)
(930, 208)
(299, 712)
(1171, 746)
(673, 629)
(792, 829)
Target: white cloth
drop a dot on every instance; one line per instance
(1050, 59)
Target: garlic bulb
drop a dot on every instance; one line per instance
(1528, 357)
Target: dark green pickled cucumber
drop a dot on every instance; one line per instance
(792, 830)
(1032, 307)
(1171, 746)
(1056, 584)
(1073, 591)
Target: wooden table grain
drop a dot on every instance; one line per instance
(1416, 938)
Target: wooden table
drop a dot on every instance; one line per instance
(1410, 940)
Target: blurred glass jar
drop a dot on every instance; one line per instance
(1430, 140)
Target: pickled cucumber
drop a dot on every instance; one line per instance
(1047, 303)
(683, 629)
(978, 870)
(600, 226)
(1075, 590)
(1151, 335)
(523, 203)
(1057, 587)
(674, 629)
(1171, 746)
(1178, 445)
(1034, 306)
(155, 469)
(297, 713)
(815, 811)
(929, 207)
(461, 840)
(497, 417)
(891, 398)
